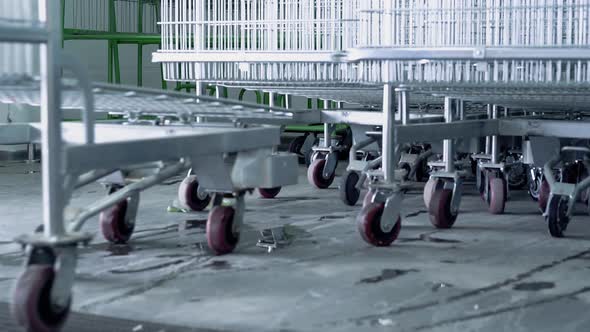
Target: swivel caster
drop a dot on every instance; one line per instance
(32, 305)
(370, 227)
(440, 210)
(497, 195)
(223, 226)
(117, 223)
(189, 195)
(269, 192)
(556, 216)
(544, 193)
(349, 193)
(315, 174)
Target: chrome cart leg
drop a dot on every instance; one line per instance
(51, 257)
(324, 159)
(563, 196)
(379, 222)
(495, 186)
(443, 191)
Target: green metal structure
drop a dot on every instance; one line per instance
(107, 30)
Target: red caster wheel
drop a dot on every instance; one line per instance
(368, 198)
(190, 197)
(557, 218)
(439, 210)
(113, 224)
(544, 193)
(31, 305)
(315, 174)
(369, 226)
(429, 189)
(220, 235)
(269, 192)
(497, 196)
(349, 193)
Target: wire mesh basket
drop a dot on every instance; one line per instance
(261, 43)
(477, 41)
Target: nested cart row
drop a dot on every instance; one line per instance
(509, 58)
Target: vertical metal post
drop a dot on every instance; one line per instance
(461, 109)
(448, 153)
(199, 92)
(30, 153)
(139, 44)
(51, 147)
(389, 143)
(271, 99)
(488, 139)
(494, 148)
(403, 105)
(327, 128)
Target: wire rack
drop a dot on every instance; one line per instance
(133, 102)
(521, 52)
(263, 45)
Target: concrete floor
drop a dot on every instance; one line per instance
(489, 273)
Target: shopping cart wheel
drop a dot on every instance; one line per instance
(368, 197)
(439, 209)
(315, 174)
(269, 192)
(31, 305)
(544, 192)
(557, 218)
(295, 147)
(369, 226)
(349, 193)
(114, 224)
(429, 189)
(220, 231)
(497, 195)
(189, 195)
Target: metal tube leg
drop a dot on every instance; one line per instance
(271, 99)
(403, 105)
(53, 181)
(30, 153)
(199, 92)
(389, 143)
(327, 128)
(494, 148)
(448, 151)
(488, 138)
(461, 109)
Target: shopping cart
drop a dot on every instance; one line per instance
(281, 47)
(530, 55)
(229, 157)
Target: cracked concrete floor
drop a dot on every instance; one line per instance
(489, 273)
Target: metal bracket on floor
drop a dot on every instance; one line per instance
(270, 240)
